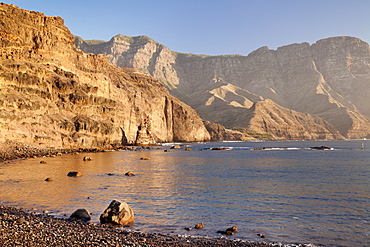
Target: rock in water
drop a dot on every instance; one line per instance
(74, 174)
(199, 226)
(82, 214)
(87, 158)
(129, 173)
(117, 213)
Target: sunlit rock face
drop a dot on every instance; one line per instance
(53, 95)
(329, 79)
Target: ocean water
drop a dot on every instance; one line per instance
(287, 192)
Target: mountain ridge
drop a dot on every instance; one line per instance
(329, 79)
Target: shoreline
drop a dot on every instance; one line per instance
(26, 228)
(20, 226)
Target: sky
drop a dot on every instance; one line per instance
(211, 27)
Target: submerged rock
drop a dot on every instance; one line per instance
(321, 148)
(229, 231)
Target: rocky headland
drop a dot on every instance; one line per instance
(318, 91)
(55, 96)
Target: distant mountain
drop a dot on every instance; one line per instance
(328, 82)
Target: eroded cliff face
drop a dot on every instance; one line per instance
(329, 79)
(53, 95)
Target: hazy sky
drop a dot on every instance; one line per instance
(211, 27)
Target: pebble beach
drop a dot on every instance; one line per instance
(19, 227)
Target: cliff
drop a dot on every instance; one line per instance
(329, 79)
(53, 95)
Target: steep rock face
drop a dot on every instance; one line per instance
(53, 95)
(329, 79)
(139, 52)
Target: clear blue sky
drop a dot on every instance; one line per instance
(212, 27)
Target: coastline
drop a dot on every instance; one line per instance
(28, 228)
(23, 228)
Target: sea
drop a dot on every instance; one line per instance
(286, 191)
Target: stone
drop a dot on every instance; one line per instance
(176, 147)
(74, 174)
(321, 148)
(188, 149)
(220, 148)
(117, 213)
(129, 173)
(232, 229)
(199, 226)
(42, 162)
(81, 214)
(229, 231)
(145, 158)
(49, 179)
(22, 220)
(87, 158)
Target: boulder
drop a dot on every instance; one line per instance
(117, 213)
(220, 148)
(321, 148)
(74, 174)
(82, 214)
(129, 173)
(232, 229)
(199, 226)
(229, 231)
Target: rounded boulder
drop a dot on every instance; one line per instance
(81, 214)
(117, 213)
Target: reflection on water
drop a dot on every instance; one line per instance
(290, 195)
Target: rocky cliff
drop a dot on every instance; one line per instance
(53, 95)
(329, 79)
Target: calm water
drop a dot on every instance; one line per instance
(293, 195)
